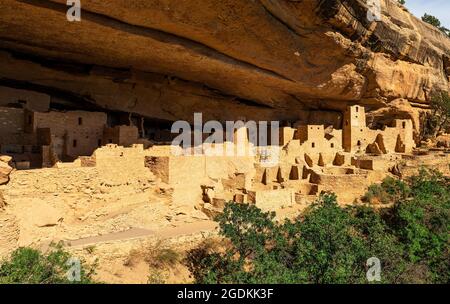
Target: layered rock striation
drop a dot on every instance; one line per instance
(264, 59)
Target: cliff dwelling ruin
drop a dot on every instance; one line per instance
(87, 109)
(311, 157)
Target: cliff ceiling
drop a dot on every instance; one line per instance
(262, 59)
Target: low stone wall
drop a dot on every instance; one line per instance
(347, 187)
(270, 200)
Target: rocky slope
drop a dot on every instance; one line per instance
(262, 59)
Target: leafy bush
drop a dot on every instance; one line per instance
(328, 244)
(391, 190)
(30, 266)
(331, 244)
(422, 224)
(438, 119)
(435, 22)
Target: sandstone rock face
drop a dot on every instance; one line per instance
(258, 59)
(10, 231)
(443, 141)
(5, 169)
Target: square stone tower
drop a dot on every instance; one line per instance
(354, 135)
(405, 139)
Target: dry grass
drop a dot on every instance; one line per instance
(157, 256)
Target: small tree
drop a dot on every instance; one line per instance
(422, 224)
(331, 244)
(438, 119)
(30, 266)
(435, 22)
(327, 244)
(431, 20)
(440, 110)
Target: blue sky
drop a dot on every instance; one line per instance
(438, 8)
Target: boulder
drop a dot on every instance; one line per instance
(399, 108)
(5, 169)
(41, 214)
(443, 141)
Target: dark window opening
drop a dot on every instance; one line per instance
(80, 121)
(357, 109)
(74, 143)
(359, 143)
(404, 125)
(332, 145)
(99, 142)
(110, 141)
(313, 145)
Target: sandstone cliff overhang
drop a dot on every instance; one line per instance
(259, 59)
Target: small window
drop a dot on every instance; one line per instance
(404, 125)
(80, 121)
(332, 145)
(313, 145)
(74, 143)
(357, 109)
(110, 141)
(99, 142)
(359, 143)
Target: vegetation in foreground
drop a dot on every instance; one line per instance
(31, 266)
(326, 244)
(330, 244)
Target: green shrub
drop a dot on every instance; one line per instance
(390, 191)
(422, 224)
(30, 266)
(436, 120)
(331, 244)
(328, 244)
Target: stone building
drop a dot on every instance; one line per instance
(71, 134)
(354, 129)
(40, 139)
(120, 135)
